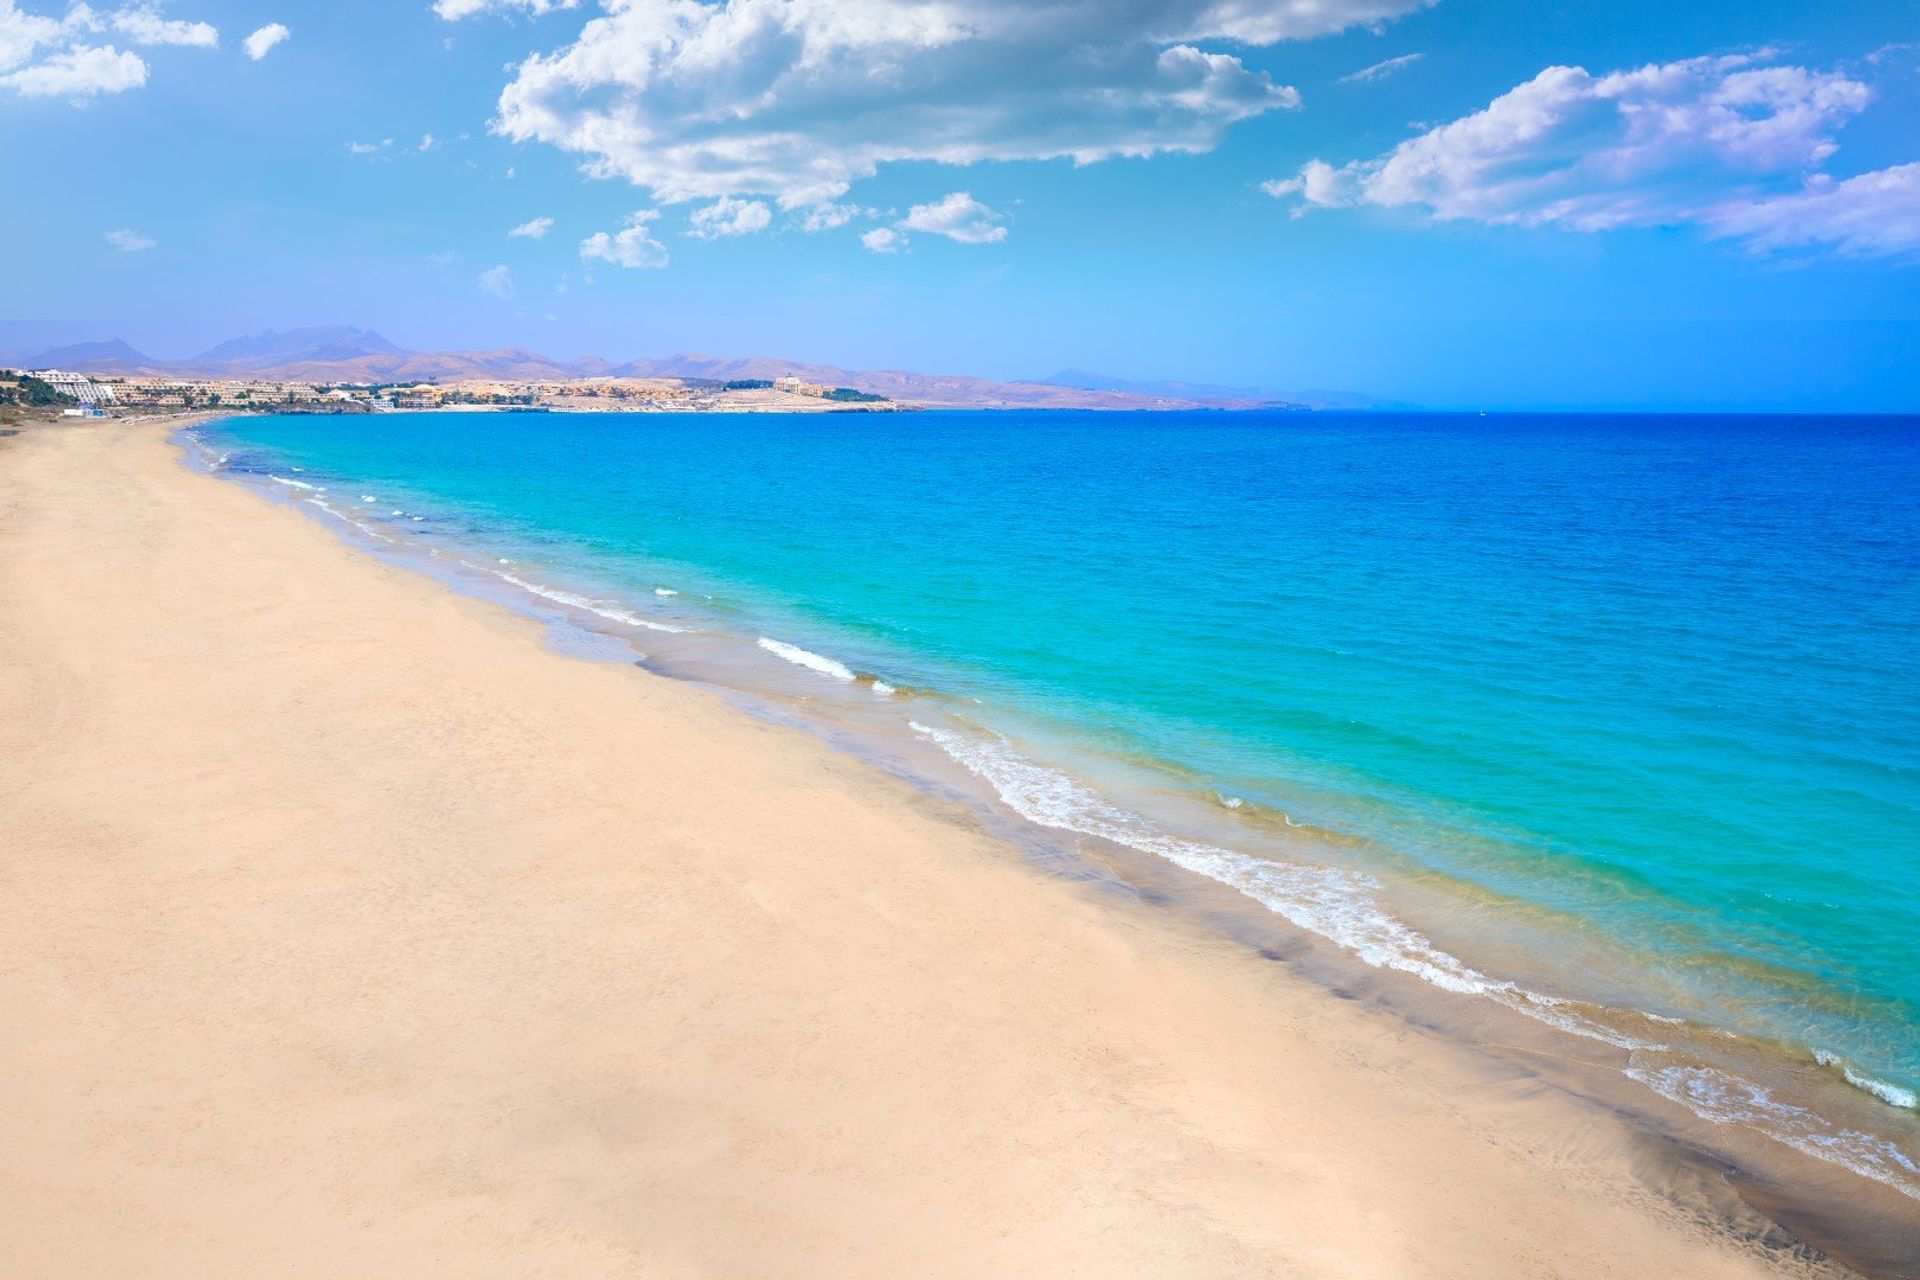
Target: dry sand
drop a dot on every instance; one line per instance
(345, 931)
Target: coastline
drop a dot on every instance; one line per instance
(391, 915)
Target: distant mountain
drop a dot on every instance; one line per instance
(342, 354)
(931, 389)
(324, 344)
(91, 357)
(1208, 392)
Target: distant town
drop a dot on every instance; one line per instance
(341, 369)
(88, 395)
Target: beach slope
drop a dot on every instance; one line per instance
(348, 931)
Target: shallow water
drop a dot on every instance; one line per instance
(1612, 719)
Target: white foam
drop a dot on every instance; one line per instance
(882, 689)
(1891, 1094)
(293, 484)
(1724, 1098)
(806, 658)
(367, 498)
(665, 591)
(1339, 906)
(603, 608)
(334, 511)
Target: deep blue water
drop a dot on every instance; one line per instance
(1654, 678)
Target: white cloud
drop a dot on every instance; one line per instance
(1876, 214)
(957, 216)
(454, 10)
(633, 247)
(798, 99)
(82, 71)
(497, 281)
(830, 217)
(428, 142)
(884, 240)
(532, 229)
(1381, 70)
(144, 24)
(128, 241)
(22, 34)
(370, 148)
(1691, 142)
(729, 217)
(262, 41)
(1319, 183)
(76, 68)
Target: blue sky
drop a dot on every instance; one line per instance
(1628, 204)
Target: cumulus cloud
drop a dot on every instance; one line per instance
(83, 71)
(1690, 142)
(128, 241)
(884, 240)
(633, 248)
(532, 229)
(497, 281)
(957, 217)
(798, 99)
(1876, 214)
(144, 24)
(831, 217)
(1381, 70)
(1318, 183)
(44, 56)
(261, 42)
(22, 33)
(454, 10)
(729, 217)
(370, 148)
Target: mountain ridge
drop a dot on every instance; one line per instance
(347, 354)
(1313, 398)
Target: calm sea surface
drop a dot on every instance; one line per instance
(1649, 683)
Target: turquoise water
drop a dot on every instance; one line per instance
(1651, 682)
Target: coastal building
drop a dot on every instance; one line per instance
(80, 386)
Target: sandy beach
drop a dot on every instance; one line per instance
(347, 930)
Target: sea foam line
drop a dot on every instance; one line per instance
(1338, 905)
(1335, 904)
(807, 658)
(1724, 1098)
(604, 609)
(338, 514)
(1891, 1094)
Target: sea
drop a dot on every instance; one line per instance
(1608, 722)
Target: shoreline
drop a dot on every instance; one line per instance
(1193, 1152)
(1687, 1097)
(1791, 1123)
